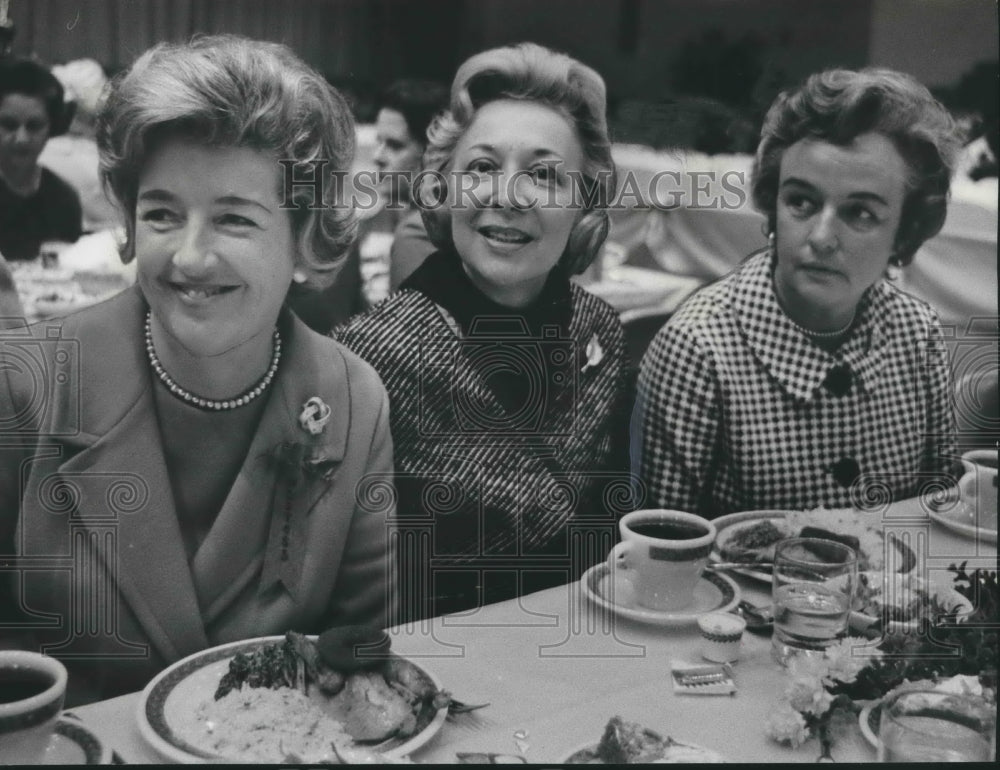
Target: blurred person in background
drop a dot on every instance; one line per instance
(35, 205)
(73, 156)
(11, 310)
(228, 439)
(506, 381)
(389, 222)
(805, 373)
(408, 107)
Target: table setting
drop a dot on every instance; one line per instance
(67, 277)
(677, 648)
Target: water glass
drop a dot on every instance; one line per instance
(930, 726)
(814, 582)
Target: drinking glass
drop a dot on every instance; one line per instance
(930, 726)
(813, 583)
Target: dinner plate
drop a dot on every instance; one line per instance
(868, 721)
(727, 525)
(870, 716)
(677, 753)
(960, 517)
(72, 743)
(948, 598)
(713, 593)
(167, 702)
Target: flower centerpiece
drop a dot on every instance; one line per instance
(824, 692)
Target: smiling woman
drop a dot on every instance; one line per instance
(805, 378)
(189, 429)
(506, 381)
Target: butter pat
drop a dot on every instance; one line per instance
(702, 679)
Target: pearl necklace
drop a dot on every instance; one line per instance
(208, 404)
(824, 335)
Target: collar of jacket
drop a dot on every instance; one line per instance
(118, 473)
(792, 359)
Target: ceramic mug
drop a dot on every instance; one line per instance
(32, 691)
(667, 551)
(978, 485)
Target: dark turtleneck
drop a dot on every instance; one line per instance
(442, 279)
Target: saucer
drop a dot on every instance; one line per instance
(74, 744)
(960, 517)
(713, 593)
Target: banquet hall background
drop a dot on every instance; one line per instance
(688, 83)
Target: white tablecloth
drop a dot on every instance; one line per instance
(555, 669)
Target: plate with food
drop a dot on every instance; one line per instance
(749, 537)
(343, 696)
(870, 716)
(901, 601)
(627, 743)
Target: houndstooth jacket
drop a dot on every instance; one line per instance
(738, 410)
(486, 489)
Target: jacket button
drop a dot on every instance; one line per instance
(846, 471)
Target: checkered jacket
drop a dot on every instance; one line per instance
(488, 482)
(735, 411)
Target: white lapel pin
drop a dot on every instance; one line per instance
(315, 415)
(594, 352)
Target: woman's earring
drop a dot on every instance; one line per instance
(770, 245)
(894, 271)
(298, 276)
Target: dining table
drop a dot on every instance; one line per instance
(555, 666)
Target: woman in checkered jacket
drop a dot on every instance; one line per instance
(805, 377)
(509, 411)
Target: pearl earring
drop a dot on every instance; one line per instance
(771, 238)
(298, 276)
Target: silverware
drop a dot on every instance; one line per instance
(483, 758)
(761, 566)
(727, 565)
(760, 620)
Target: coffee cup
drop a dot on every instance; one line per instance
(978, 485)
(666, 552)
(32, 691)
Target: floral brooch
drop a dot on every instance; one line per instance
(315, 415)
(594, 353)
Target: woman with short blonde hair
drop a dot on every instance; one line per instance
(507, 381)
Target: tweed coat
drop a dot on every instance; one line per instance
(96, 534)
(482, 489)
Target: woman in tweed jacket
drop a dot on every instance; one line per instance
(804, 378)
(506, 381)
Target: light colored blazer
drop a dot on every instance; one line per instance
(98, 539)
